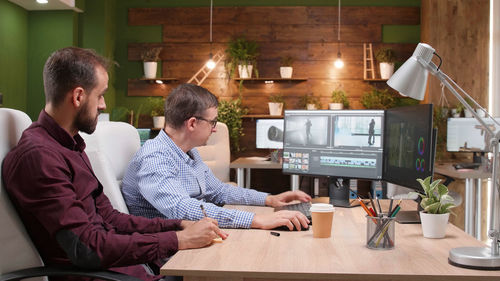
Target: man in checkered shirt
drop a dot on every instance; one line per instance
(167, 177)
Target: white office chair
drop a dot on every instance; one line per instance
(216, 154)
(110, 148)
(19, 259)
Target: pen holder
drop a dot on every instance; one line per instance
(380, 232)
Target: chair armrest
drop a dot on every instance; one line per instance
(65, 271)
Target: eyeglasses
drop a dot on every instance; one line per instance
(213, 123)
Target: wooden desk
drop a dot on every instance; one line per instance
(244, 166)
(473, 192)
(257, 255)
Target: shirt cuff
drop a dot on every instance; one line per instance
(261, 198)
(243, 219)
(168, 243)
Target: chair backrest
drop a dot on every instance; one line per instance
(216, 154)
(18, 251)
(110, 148)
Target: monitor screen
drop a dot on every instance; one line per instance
(341, 143)
(473, 141)
(269, 133)
(409, 145)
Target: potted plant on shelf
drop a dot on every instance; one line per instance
(286, 68)
(378, 99)
(386, 58)
(309, 102)
(231, 113)
(158, 112)
(276, 104)
(150, 57)
(242, 54)
(457, 111)
(338, 100)
(436, 204)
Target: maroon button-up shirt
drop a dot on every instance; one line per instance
(50, 181)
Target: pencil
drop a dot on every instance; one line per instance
(373, 205)
(203, 211)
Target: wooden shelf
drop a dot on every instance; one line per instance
(272, 79)
(145, 87)
(261, 116)
(153, 80)
(375, 80)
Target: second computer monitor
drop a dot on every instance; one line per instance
(269, 133)
(346, 143)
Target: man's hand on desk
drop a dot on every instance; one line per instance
(285, 197)
(276, 219)
(199, 234)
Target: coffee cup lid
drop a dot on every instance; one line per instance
(322, 207)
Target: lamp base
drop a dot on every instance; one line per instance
(474, 257)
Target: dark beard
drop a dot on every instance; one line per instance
(84, 122)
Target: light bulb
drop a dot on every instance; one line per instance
(42, 1)
(210, 64)
(339, 63)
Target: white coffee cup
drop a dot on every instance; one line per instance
(322, 217)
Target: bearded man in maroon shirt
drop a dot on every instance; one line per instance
(51, 183)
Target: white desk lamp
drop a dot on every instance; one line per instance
(411, 80)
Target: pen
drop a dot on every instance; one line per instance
(373, 205)
(203, 211)
(275, 233)
(378, 203)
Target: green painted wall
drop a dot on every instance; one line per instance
(13, 55)
(47, 32)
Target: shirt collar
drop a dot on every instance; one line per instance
(176, 149)
(75, 143)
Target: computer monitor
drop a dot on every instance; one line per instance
(409, 147)
(340, 144)
(473, 141)
(269, 133)
(409, 150)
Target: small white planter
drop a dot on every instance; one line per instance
(335, 106)
(275, 108)
(150, 68)
(245, 71)
(467, 113)
(434, 225)
(454, 113)
(386, 70)
(286, 71)
(159, 122)
(311, 106)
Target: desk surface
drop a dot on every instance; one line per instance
(255, 254)
(447, 169)
(254, 163)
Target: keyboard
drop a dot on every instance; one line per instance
(302, 207)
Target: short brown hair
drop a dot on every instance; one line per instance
(69, 68)
(186, 101)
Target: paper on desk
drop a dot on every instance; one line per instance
(258, 158)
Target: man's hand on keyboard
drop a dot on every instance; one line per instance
(285, 197)
(276, 219)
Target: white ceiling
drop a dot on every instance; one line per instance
(32, 5)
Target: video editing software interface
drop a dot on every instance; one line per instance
(341, 143)
(396, 145)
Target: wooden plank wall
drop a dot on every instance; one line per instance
(307, 33)
(459, 31)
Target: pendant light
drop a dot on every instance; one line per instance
(339, 63)
(210, 63)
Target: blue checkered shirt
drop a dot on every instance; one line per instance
(163, 181)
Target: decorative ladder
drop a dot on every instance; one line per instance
(368, 61)
(204, 71)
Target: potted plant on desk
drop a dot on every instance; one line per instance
(436, 204)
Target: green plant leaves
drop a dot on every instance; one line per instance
(231, 113)
(436, 199)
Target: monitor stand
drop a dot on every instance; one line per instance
(410, 217)
(338, 190)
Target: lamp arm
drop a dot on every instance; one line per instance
(493, 233)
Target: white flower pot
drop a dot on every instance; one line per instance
(286, 71)
(150, 69)
(311, 106)
(335, 106)
(434, 225)
(386, 70)
(275, 108)
(467, 113)
(159, 122)
(245, 71)
(455, 113)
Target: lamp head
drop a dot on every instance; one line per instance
(411, 78)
